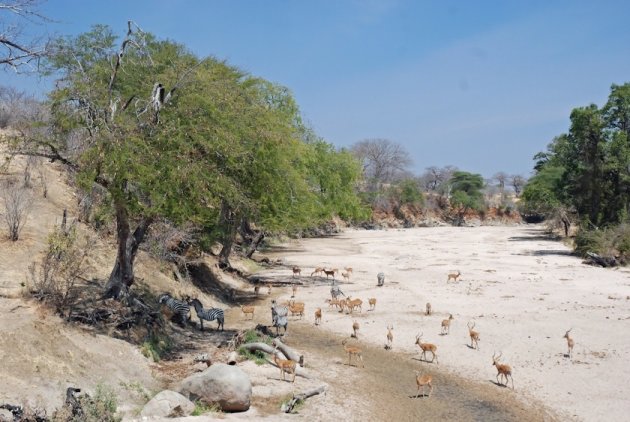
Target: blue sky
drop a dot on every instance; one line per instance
(480, 85)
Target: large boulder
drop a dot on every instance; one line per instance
(168, 404)
(228, 386)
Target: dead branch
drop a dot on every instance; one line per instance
(263, 347)
(297, 398)
(288, 352)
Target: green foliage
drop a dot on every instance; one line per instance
(257, 356)
(225, 146)
(100, 407)
(202, 408)
(156, 346)
(252, 336)
(409, 192)
(54, 278)
(466, 194)
(543, 191)
(299, 404)
(588, 169)
(613, 241)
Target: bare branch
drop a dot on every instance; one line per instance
(16, 51)
(17, 205)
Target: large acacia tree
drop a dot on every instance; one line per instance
(466, 194)
(165, 134)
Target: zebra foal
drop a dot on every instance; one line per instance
(207, 314)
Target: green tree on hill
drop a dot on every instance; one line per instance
(466, 194)
(166, 135)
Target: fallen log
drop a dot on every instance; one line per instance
(602, 261)
(252, 347)
(297, 398)
(288, 352)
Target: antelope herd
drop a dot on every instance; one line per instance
(350, 305)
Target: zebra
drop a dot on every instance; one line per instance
(208, 314)
(335, 291)
(179, 308)
(279, 316)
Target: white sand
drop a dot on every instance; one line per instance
(522, 290)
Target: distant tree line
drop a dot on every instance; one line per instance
(388, 184)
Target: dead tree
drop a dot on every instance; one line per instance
(298, 398)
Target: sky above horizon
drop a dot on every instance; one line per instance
(482, 86)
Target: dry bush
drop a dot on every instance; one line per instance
(54, 279)
(18, 201)
(610, 242)
(169, 243)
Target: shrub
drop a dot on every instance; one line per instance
(102, 407)
(53, 280)
(612, 241)
(252, 336)
(409, 193)
(156, 346)
(18, 201)
(203, 408)
(99, 408)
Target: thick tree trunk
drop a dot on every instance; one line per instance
(121, 277)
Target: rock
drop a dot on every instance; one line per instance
(228, 386)
(168, 404)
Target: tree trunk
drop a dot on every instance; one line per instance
(229, 228)
(251, 237)
(121, 277)
(256, 241)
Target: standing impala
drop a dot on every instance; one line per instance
(390, 336)
(502, 369)
(570, 343)
(427, 347)
(474, 336)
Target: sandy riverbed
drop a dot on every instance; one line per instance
(522, 290)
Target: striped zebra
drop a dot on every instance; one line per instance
(279, 316)
(208, 314)
(335, 291)
(179, 308)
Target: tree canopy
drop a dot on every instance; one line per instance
(168, 135)
(466, 193)
(587, 170)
